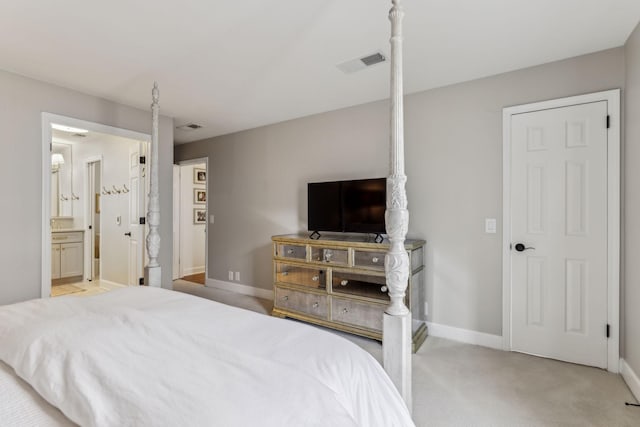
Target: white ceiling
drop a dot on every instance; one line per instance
(233, 65)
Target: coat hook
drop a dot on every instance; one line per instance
(74, 197)
(125, 190)
(105, 191)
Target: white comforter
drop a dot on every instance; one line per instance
(144, 356)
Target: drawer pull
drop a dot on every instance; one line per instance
(344, 282)
(383, 288)
(286, 297)
(375, 259)
(289, 251)
(344, 310)
(285, 273)
(315, 278)
(316, 305)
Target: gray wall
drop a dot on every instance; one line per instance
(257, 178)
(22, 101)
(631, 242)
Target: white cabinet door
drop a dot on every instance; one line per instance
(71, 259)
(55, 261)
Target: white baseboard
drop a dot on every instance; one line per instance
(630, 378)
(193, 270)
(465, 335)
(240, 288)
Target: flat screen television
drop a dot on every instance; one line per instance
(347, 206)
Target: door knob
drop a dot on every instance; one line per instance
(520, 247)
(128, 234)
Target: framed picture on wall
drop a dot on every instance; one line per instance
(199, 196)
(199, 216)
(199, 176)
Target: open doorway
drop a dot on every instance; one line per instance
(190, 225)
(93, 227)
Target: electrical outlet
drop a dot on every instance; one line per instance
(230, 275)
(238, 276)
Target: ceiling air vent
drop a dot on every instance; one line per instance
(361, 63)
(189, 126)
(370, 60)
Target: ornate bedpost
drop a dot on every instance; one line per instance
(397, 318)
(153, 271)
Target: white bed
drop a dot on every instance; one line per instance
(148, 356)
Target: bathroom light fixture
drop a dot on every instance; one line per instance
(68, 128)
(57, 159)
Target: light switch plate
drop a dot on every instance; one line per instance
(490, 225)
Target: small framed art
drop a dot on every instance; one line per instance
(199, 196)
(199, 176)
(199, 216)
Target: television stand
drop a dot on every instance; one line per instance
(314, 236)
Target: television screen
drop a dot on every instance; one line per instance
(325, 206)
(364, 203)
(353, 206)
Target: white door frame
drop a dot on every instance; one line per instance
(47, 120)
(88, 237)
(612, 97)
(204, 160)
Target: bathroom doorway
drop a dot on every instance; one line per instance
(94, 225)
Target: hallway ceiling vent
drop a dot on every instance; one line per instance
(361, 63)
(80, 135)
(189, 127)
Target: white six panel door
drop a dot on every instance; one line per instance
(559, 210)
(136, 209)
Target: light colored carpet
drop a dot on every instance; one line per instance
(457, 384)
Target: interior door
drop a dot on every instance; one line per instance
(176, 222)
(559, 233)
(136, 209)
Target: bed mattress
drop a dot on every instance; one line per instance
(146, 356)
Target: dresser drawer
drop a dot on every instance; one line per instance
(286, 250)
(307, 303)
(67, 237)
(369, 259)
(362, 314)
(330, 255)
(297, 275)
(360, 284)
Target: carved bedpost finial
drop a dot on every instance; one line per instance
(155, 93)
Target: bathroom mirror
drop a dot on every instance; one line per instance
(62, 195)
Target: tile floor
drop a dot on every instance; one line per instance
(83, 288)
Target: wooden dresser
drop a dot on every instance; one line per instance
(338, 281)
